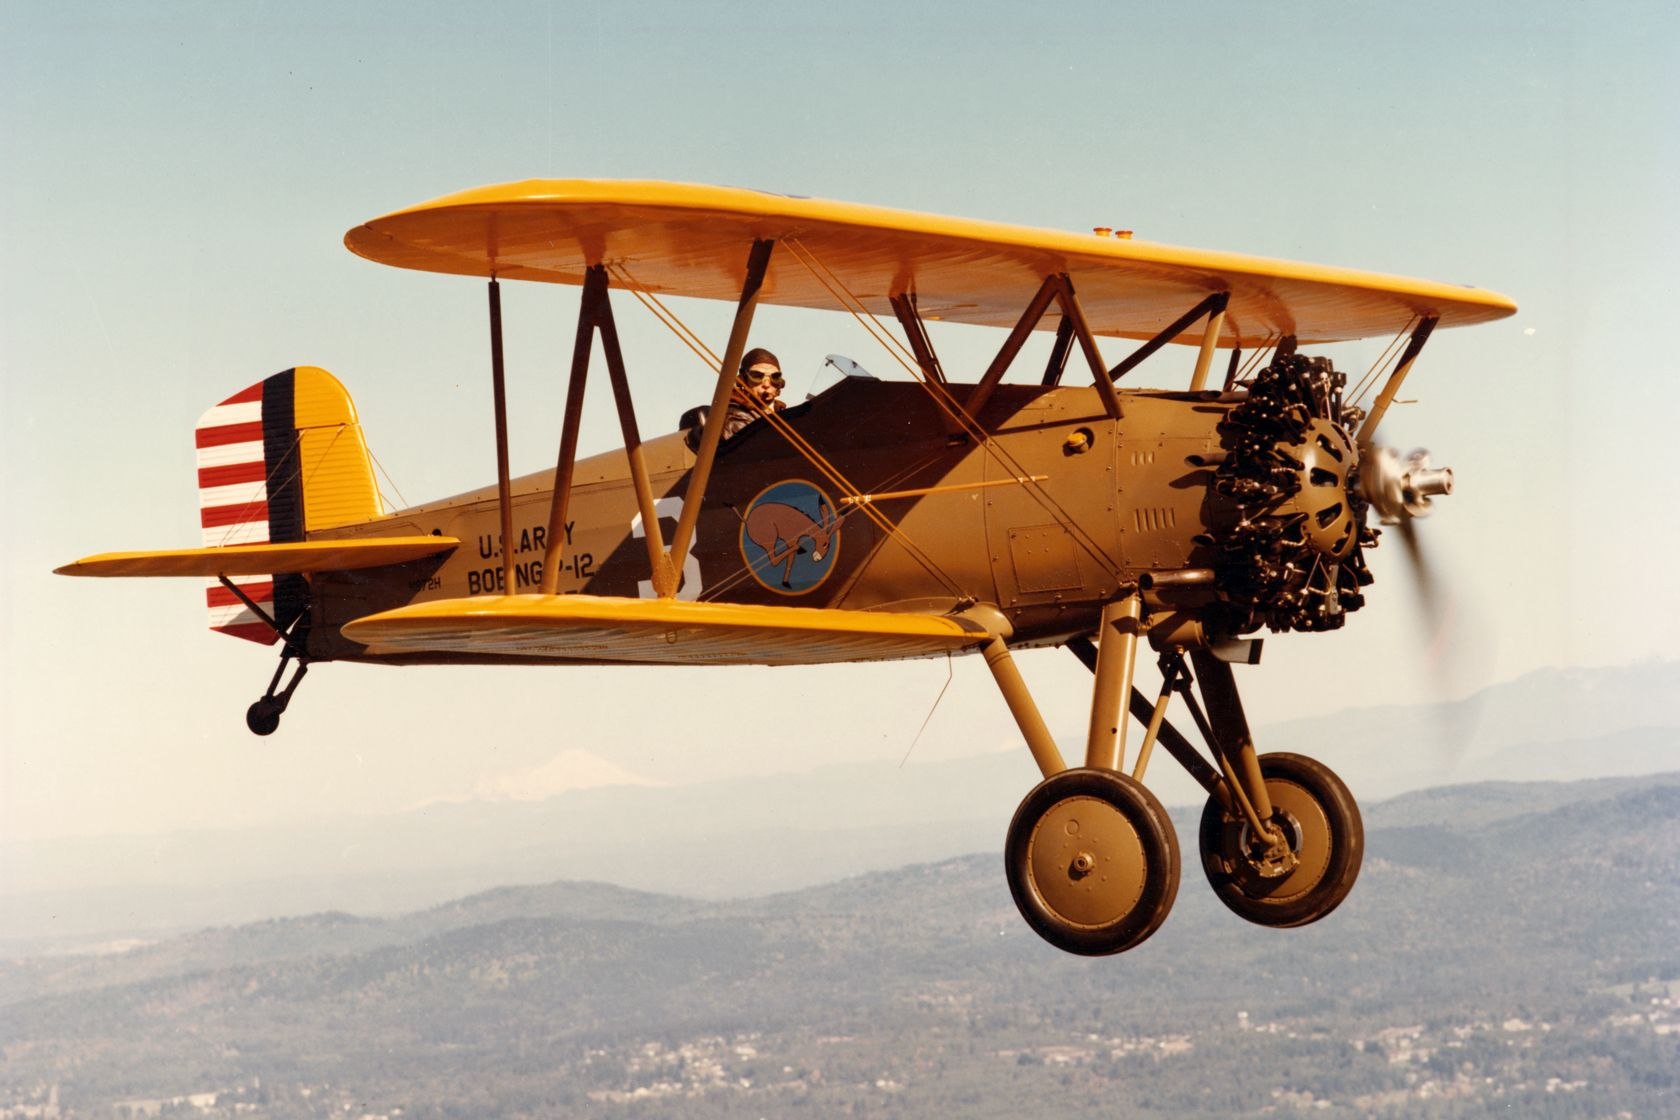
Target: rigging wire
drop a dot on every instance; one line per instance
(387, 475)
(279, 476)
(1253, 361)
(1382, 362)
(800, 445)
(290, 471)
(718, 587)
(840, 482)
(666, 316)
(929, 717)
(956, 412)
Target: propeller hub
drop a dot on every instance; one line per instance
(1400, 487)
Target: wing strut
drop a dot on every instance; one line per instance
(757, 262)
(921, 347)
(788, 432)
(1214, 304)
(563, 468)
(663, 575)
(1057, 288)
(1011, 346)
(961, 418)
(1071, 309)
(1210, 342)
(1392, 386)
(595, 314)
(498, 384)
(904, 306)
(1057, 365)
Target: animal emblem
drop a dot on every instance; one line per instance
(777, 528)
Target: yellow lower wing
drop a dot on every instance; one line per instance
(262, 559)
(658, 631)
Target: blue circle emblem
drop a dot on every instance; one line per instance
(790, 537)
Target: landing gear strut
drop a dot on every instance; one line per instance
(1091, 857)
(263, 716)
(1281, 839)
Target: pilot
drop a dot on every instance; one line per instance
(759, 381)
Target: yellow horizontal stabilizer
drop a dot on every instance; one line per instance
(691, 240)
(658, 631)
(262, 559)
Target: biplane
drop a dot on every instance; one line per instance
(883, 519)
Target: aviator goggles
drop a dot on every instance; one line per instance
(756, 376)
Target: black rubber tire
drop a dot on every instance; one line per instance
(262, 718)
(1327, 835)
(1113, 828)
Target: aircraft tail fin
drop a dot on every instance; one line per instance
(278, 460)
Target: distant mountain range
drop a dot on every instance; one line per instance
(754, 836)
(1510, 949)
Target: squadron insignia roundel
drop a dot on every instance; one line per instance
(790, 537)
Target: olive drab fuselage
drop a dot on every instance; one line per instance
(1113, 499)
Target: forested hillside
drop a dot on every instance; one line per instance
(1509, 950)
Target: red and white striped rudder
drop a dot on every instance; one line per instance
(275, 460)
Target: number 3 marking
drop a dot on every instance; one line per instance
(691, 584)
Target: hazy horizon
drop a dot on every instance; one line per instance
(181, 177)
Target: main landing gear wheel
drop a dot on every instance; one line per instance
(1092, 861)
(1326, 839)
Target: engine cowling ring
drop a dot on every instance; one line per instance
(1288, 556)
(1327, 456)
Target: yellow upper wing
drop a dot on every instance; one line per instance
(658, 631)
(691, 240)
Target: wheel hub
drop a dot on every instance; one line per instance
(1321, 829)
(1292, 862)
(1092, 861)
(1273, 856)
(1088, 861)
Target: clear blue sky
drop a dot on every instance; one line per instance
(178, 177)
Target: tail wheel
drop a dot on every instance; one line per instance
(263, 717)
(1092, 861)
(1320, 820)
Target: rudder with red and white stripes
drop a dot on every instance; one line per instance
(275, 460)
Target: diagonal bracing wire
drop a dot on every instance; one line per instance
(800, 445)
(1382, 362)
(956, 412)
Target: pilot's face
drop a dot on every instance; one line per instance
(764, 382)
